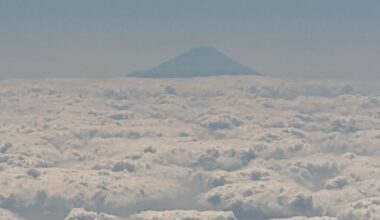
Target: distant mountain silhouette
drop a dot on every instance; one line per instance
(202, 61)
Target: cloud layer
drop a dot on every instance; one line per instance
(201, 148)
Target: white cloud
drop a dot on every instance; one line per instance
(7, 215)
(251, 145)
(183, 215)
(82, 214)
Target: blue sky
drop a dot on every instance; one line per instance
(285, 38)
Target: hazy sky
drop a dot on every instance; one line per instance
(291, 38)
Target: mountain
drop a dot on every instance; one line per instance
(201, 61)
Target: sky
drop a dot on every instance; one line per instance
(281, 38)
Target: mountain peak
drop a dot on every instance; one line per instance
(204, 50)
(200, 61)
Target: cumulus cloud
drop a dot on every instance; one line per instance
(368, 208)
(82, 214)
(262, 199)
(183, 215)
(7, 215)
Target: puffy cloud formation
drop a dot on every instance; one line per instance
(368, 208)
(202, 148)
(7, 215)
(82, 214)
(183, 215)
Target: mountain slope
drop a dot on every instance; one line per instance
(202, 61)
